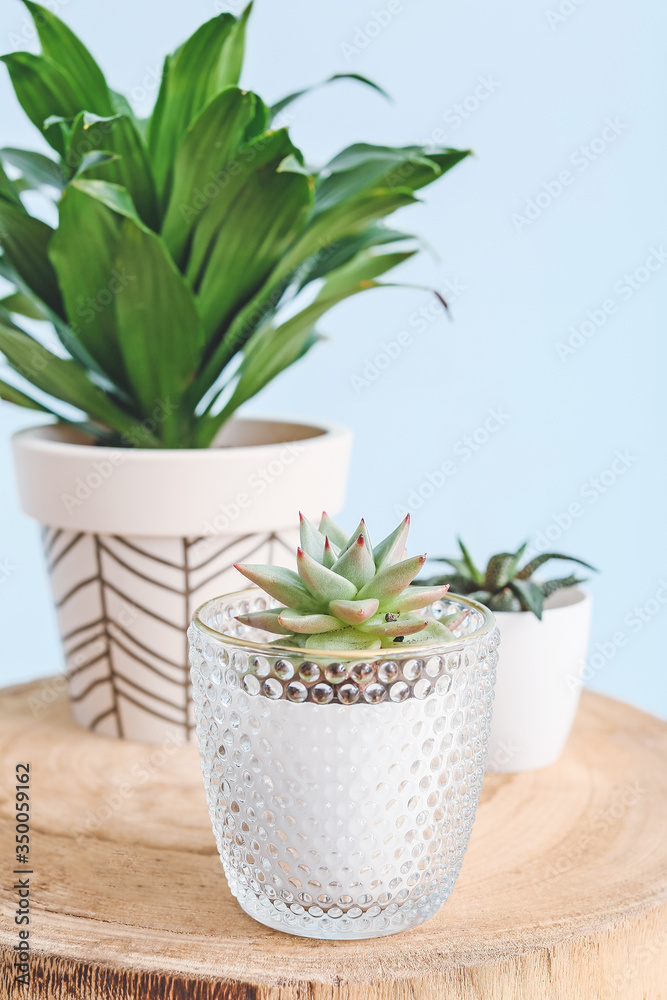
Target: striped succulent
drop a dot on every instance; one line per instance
(505, 585)
(180, 277)
(348, 594)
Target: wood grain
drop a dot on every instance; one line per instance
(562, 895)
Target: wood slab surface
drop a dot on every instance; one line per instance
(562, 894)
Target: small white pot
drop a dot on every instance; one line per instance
(537, 686)
(136, 539)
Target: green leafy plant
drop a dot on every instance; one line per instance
(348, 594)
(505, 585)
(181, 239)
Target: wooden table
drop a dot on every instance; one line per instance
(563, 891)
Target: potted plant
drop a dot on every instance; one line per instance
(544, 626)
(193, 257)
(342, 718)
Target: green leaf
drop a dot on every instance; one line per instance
(335, 255)
(356, 564)
(457, 584)
(361, 270)
(405, 624)
(518, 556)
(361, 529)
(159, 329)
(205, 64)
(362, 167)
(8, 190)
(112, 195)
(286, 101)
(25, 240)
(270, 351)
(462, 572)
(323, 583)
(67, 381)
(530, 595)
(230, 63)
(205, 161)
(551, 586)
(130, 168)
(354, 612)
(325, 230)
(475, 574)
(267, 620)
(267, 363)
(345, 638)
(256, 222)
(91, 161)
(23, 305)
(392, 581)
(504, 600)
(91, 281)
(308, 624)
(499, 571)
(311, 540)
(330, 554)
(283, 584)
(44, 91)
(61, 45)
(6, 270)
(333, 532)
(38, 170)
(261, 156)
(435, 632)
(534, 564)
(390, 550)
(482, 596)
(13, 395)
(415, 598)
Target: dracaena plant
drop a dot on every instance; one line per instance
(506, 585)
(349, 594)
(180, 239)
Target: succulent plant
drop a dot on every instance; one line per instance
(182, 239)
(348, 594)
(505, 585)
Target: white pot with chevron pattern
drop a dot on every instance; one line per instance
(136, 539)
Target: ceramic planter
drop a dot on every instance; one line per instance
(135, 539)
(341, 789)
(536, 697)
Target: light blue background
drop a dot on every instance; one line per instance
(516, 289)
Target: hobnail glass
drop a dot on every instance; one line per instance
(342, 787)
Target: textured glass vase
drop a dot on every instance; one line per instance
(342, 787)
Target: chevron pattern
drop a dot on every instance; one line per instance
(123, 606)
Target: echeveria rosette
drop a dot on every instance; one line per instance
(348, 594)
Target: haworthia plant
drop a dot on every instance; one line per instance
(349, 594)
(505, 585)
(181, 239)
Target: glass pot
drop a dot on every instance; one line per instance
(342, 786)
